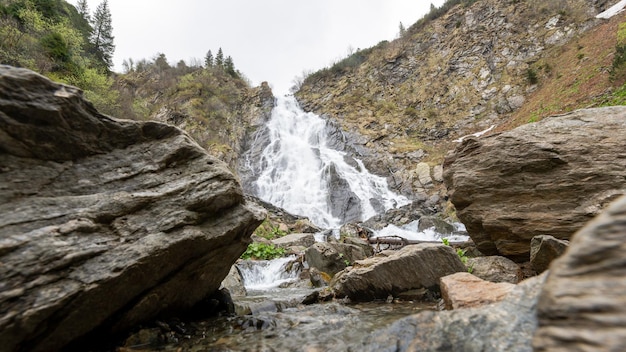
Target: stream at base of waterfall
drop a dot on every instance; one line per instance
(300, 172)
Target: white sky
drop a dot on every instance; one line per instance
(269, 40)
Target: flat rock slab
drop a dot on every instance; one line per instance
(104, 223)
(464, 290)
(544, 178)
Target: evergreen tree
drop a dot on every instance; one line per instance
(83, 10)
(219, 58)
(229, 67)
(102, 35)
(401, 30)
(208, 59)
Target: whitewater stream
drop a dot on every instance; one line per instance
(302, 174)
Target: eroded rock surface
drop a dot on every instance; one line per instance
(582, 306)
(549, 177)
(412, 267)
(104, 223)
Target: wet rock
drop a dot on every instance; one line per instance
(331, 258)
(411, 267)
(503, 326)
(441, 226)
(543, 250)
(345, 204)
(549, 177)
(464, 290)
(495, 269)
(318, 278)
(234, 282)
(414, 295)
(582, 306)
(295, 239)
(104, 222)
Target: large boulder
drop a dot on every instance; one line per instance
(104, 223)
(582, 306)
(549, 177)
(412, 267)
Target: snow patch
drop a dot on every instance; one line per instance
(613, 10)
(477, 134)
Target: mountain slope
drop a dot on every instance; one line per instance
(475, 66)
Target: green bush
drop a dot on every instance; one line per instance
(263, 251)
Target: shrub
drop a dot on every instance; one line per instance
(263, 251)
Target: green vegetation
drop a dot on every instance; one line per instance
(619, 60)
(55, 39)
(460, 252)
(72, 46)
(269, 231)
(263, 251)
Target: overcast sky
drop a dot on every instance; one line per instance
(269, 40)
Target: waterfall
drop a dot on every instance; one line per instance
(266, 274)
(301, 173)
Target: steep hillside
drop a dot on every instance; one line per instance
(479, 64)
(213, 106)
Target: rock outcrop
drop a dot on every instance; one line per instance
(412, 267)
(104, 223)
(464, 71)
(582, 306)
(549, 177)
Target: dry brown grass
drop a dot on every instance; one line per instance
(571, 77)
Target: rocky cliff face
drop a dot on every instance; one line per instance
(545, 178)
(104, 223)
(406, 101)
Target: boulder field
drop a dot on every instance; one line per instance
(104, 223)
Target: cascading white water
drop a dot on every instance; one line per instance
(262, 275)
(301, 173)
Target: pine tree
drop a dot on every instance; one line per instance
(83, 10)
(229, 67)
(102, 36)
(219, 58)
(401, 30)
(208, 59)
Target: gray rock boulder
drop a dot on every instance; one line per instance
(104, 223)
(233, 282)
(331, 258)
(549, 177)
(412, 267)
(295, 239)
(495, 269)
(582, 306)
(543, 250)
(503, 326)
